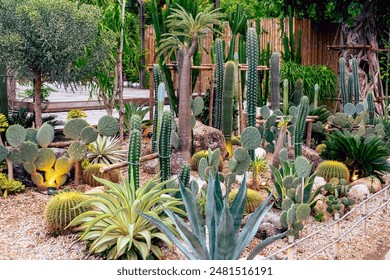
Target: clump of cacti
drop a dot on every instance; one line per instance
(293, 215)
(218, 80)
(253, 199)
(62, 209)
(320, 148)
(75, 114)
(198, 156)
(210, 164)
(164, 146)
(336, 196)
(302, 112)
(94, 170)
(227, 105)
(329, 169)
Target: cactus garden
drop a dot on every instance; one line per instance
(232, 158)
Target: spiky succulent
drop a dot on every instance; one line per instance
(107, 150)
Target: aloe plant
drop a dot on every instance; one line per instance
(223, 224)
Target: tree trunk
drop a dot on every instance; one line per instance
(363, 33)
(11, 86)
(38, 98)
(142, 37)
(119, 74)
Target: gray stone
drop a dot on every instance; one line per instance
(358, 192)
(318, 182)
(372, 182)
(151, 166)
(208, 137)
(269, 226)
(308, 153)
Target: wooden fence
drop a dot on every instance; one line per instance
(367, 208)
(315, 40)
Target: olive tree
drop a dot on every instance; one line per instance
(51, 41)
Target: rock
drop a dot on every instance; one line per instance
(310, 154)
(208, 137)
(269, 226)
(95, 190)
(60, 152)
(358, 192)
(260, 153)
(372, 182)
(151, 166)
(320, 207)
(318, 182)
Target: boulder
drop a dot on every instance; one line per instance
(318, 182)
(310, 154)
(151, 166)
(260, 153)
(358, 192)
(372, 182)
(208, 137)
(320, 207)
(269, 226)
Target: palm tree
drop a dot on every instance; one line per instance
(185, 34)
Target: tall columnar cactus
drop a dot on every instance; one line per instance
(252, 56)
(3, 91)
(134, 151)
(298, 92)
(371, 107)
(275, 82)
(227, 105)
(164, 146)
(343, 84)
(184, 175)
(355, 74)
(315, 104)
(219, 73)
(285, 97)
(157, 79)
(235, 95)
(302, 112)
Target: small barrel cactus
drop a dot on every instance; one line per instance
(253, 199)
(60, 210)
(329, 169)
(94, 170)
(198, 156)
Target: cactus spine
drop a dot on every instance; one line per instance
(227, 105)
(134, 152)
(371, 107)
(285, 97)
(184, 175)
(164, 146)
(217, 111)
(303, 110)
(356, 89)
(275, 82)
(157, 79)
(252, 54)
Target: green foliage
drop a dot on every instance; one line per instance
(27, 119)
(61, 210)
(8, 186)
(132, 109)
(116, 230)
(365, 157)
(76, 113)
(223, 224)
(107, 150)
(289, 53)
(45, 93)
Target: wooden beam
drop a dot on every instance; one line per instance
(125, 163)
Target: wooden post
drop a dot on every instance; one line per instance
(125, 163)
(291, 250)
(364, 215)
(336, 235)
(211, 100)
(151, 93)
(309, 130)
(385, 200)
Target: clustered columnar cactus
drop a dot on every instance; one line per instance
(275, 82)
(303, 110)
(94, 170)
(371, 107)
(252, 54)
(285, 97)
(345, 97)
(164, 146)
(82, 134)
(227, 105)
(219, 75)
(62, 209)
(157, 79)
(235, 95)
(184, 175)
(293, 215)
(356, 90)
(329, 169)
(253, 199)
(134, 151)
(298, 92)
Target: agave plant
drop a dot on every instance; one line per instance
(115, 229)
(225, 242)
(364, 157)
(134, 109)
(107, 150)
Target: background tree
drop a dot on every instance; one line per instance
(43, 40)
(185, 34)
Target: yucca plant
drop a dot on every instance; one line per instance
(107, 150)
(116, 230)
(364, 157)
(223, 225)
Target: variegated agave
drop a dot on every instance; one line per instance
(107, 150)
(116, 230)
(223, 224)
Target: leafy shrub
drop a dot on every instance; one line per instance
(116, 230)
